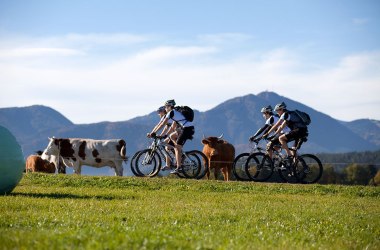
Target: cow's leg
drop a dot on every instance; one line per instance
(226, 174)
(119, 168)
(216, 170)
(77, 168)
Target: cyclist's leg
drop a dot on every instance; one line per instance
(167, 158)
(284, 142)
(271, 144)
(183, 135)
(174, 136)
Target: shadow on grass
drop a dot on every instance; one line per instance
(73, 196)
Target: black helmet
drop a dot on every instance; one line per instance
(161, 109)
(280, 106)
(170, 103)
(267, 109)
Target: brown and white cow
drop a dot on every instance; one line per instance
(220, 154)
(76, 152)
(34, 163)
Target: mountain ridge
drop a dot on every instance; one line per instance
(236, 118)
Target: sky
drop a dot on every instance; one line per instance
(115, 60)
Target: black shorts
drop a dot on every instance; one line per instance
(296, 133)
(186, 134)
(274, 142)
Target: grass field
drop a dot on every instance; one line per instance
(83, 212)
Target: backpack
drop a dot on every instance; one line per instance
(302, 116)
(187, 112)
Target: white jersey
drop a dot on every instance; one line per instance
(285, 117)
(179, 118)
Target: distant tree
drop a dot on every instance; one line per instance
(359, 174)
(329, 175)
(376, 179)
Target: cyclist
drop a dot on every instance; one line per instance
(162, 113)
(298, 130)
(180, 130)
(270, 120)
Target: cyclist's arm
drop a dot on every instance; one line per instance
(278, 131)
(166, 129)
(273, 128)
(160, 125)
(266, 127)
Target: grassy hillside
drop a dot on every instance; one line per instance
(80, 212)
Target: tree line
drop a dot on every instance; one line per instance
(353, 168)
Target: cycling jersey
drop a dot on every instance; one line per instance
(179, 118)
(291, 121)
(268, 124)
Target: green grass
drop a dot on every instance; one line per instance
(82, 212)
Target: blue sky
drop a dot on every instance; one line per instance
(115, 60)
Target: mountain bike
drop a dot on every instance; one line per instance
(304, 168)
(238, 167)
(148, 162)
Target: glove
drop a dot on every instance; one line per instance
(153, 134)
(252, 138)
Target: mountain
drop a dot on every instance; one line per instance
(367, 129)
(237, 119)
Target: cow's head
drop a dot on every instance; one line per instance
(212, 142)
(52, 148)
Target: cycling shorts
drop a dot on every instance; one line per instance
(185, 134)
(296, 133)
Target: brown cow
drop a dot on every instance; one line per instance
(34, 163)
(220, 154)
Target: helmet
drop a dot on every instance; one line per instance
(161, 109)
(267, 109)
(280, 106)
(170, 103)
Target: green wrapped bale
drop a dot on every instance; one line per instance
(11, 162)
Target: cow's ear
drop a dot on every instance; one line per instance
(205, 142)
(56, 141)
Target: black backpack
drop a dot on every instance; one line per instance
(303, 117)
(187, 112)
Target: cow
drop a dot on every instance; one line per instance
(220, 155)
(61, 167)
(34, 163)
(75, 152)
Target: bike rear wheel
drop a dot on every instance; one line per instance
(191, 165)
(311, 169)
(203, 166)
(238, 167)
(287, 170)
(259, 167)
(148, 163)
(133, 163)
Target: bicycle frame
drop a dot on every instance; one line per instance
(159, 146)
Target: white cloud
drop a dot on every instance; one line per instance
(193, 75)
(106, 39)
(224, 38)
(39, 52)
(165, 53)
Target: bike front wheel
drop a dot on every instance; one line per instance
(238, 167)
(259, 167)
(148, 163)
